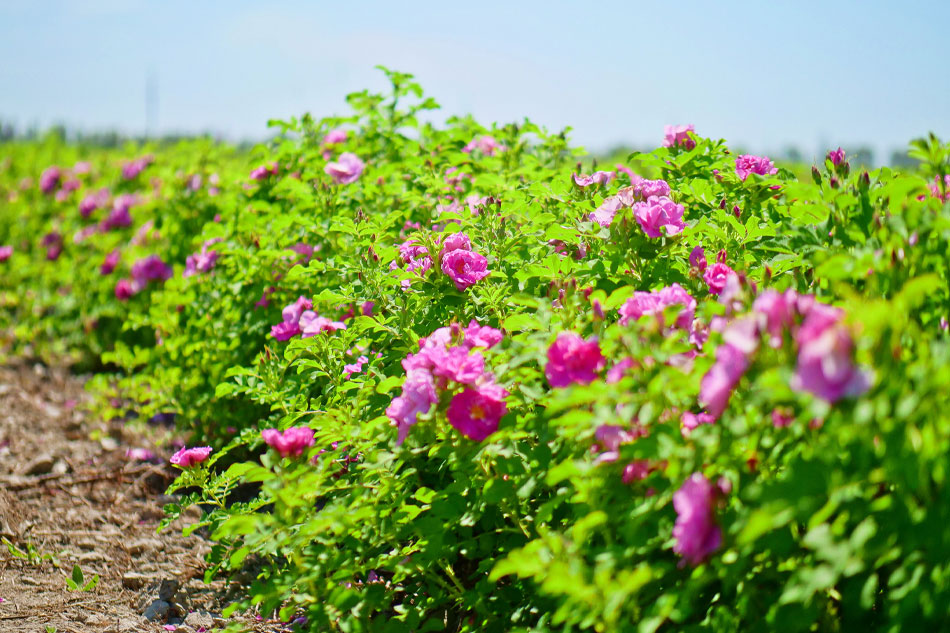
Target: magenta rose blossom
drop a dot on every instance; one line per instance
(291, 442)
(312, 324)
(264, 171)
(747, 164)
(335, 136)
(475, 413)
(93, 201)
(659, 212)
(485, 144)
(188, 457)
(717, 385)
(481, 335)
(135, 167)
(150, 268)
(597, 178)
(836, 156)
(717, 276)
(5, 253)
(691, 421)
(571, 359)
(346, 169)
(53, 243)
(124, 289)
(655, 303)
(49, 179)
(604, 215)
(110, 262)
(418, 395)
(465, 268)
(678, 136)
(695, 531)
(455, 242)
(697, 258)
(825, 366)
(459, 365)
(354, 368)
(777, 311)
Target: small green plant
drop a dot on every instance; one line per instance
(31, 554)
(77, 581)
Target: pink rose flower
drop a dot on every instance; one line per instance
(777, 310)
(571, 359)
(311, 324)
(598, 178)
(284, 331)
(264, 171)
(717, 276)
(836, 156)
(476, 412)
(485, 144)
(335, 136)
(418, 396)
(150, 268)
(459, 365)
(354, 368)
(697, 258)
(455, 242)
(5, 253)
(465, 268)
(124, 289)
(290, 443)
(604, 215)
(346, 169)
(678, 136)
(655, 303)
(659, 212)
(747, 164)
(188, 457)
(695, 531)
(135, 167)
(110, 262)
(49, 179)
(717, 385)
(691, 421)
(93, 201)
(825, 367)
(481, 335)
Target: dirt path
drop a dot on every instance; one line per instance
(69, 495)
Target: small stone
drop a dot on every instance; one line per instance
(39, 465)
(135, 580)
(60, 467)
(33, 582)
(143, 545)
(168, 589)
(156, 610)
(109, 443)
(199, 619)
(91, 557)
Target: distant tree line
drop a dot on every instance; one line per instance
(859, 155)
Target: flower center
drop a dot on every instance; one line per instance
(477, 412)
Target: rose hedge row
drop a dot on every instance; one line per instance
(437, 378)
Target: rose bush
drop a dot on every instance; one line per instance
(447, 381)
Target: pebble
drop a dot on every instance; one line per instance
(144, 545)
(199, 619)
(39, 465)
(136, 580)
(156, 610)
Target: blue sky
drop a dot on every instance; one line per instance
(763, 75)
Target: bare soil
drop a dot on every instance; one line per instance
(70, 495)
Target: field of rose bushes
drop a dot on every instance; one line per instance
(457, 378)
